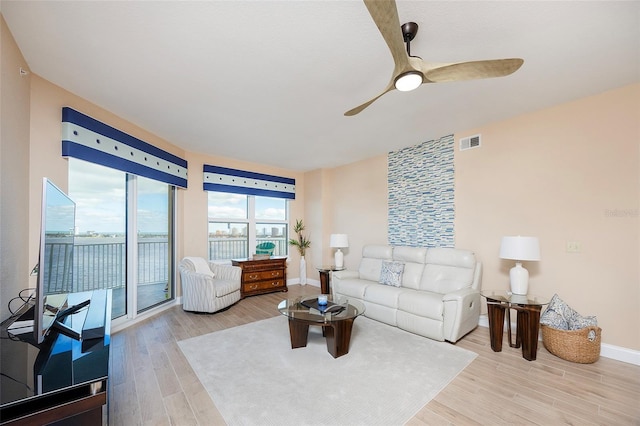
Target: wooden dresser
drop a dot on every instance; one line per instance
(262, 276)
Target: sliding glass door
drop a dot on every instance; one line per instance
(124, 236)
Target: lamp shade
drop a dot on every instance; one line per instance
(520, 248)
(338, 241)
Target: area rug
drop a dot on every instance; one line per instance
(255, 378)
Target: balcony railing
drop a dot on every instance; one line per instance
(236, 248)
(101, 264)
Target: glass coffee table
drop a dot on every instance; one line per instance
(336, 326)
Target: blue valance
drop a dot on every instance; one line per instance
(88, 139)
(222, 179)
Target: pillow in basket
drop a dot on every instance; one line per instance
(561, 316)
(579, 322)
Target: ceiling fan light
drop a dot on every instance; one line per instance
(408, 81)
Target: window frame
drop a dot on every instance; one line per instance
(251, 223)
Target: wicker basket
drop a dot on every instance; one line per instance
(573, 345)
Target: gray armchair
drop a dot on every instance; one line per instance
(208, 287)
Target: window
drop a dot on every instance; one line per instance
(124, 236)
(238, 223)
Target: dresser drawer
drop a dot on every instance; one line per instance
(265, 265)
(249, 287)
(251, 276)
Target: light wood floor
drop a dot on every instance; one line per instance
(152, 383)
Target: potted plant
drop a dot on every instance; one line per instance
(302, 244)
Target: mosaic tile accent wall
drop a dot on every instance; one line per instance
(421, 190)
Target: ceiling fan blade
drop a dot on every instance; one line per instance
(385, 15)
(440, 73)
(359, 108)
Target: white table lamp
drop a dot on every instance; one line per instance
(520, 249)
(339, 241)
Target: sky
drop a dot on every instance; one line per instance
(99, 193)
(234, 206)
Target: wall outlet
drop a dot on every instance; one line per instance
(573, 247)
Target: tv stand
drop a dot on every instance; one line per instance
(59, 325)
(62, 380)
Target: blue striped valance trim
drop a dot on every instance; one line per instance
(222, 179)
(88, 139)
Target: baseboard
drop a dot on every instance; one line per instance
(314, 283)
(618, 353)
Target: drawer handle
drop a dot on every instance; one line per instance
(253, 287)
(275, 284)
(275, 273)
(253, 277)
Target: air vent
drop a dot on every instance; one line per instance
(470, 142)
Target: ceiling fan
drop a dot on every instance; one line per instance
(411, 71)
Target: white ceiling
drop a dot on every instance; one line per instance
(269, 81)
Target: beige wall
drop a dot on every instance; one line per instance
(14, 172)
(315, 219)
(356, 196)
(562, 174)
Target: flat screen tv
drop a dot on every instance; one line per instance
(55, 263)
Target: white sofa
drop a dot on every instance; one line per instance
(438, 294)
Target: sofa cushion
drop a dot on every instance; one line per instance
(422, 303)
(410, 254)
(448, 270)
(413, 258)
(451, 257)
(383, 295)
(391, 273)
(371, 263)
(351, 287)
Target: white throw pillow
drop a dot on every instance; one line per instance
(201, 266)
(391, 273)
